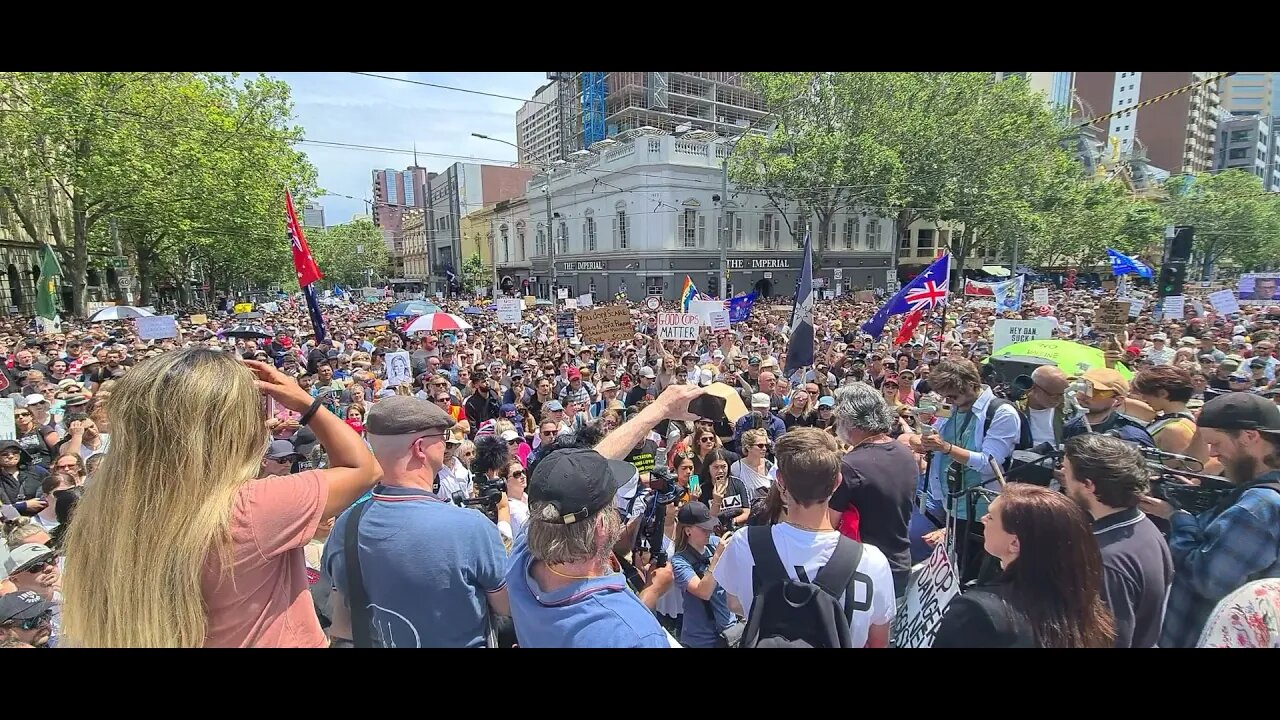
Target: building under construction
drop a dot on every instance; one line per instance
(592, 106)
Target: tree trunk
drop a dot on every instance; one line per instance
(144, 274)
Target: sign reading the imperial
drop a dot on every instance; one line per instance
(583, 265)
(605, 324)
(760, 264)
(678, 326)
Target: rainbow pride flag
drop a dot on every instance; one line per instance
(688, 294)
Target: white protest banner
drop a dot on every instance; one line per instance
(1135, 307)
(571, 303)
(8, 429)
(1224, 302)
(1040, 296)
(562, 293)
(928, 595)
(719, 320)
(157, 327)
(678, 326)
(584, 300)
(704, 308)
(1008, 332)
(1174, 307)
(509, 310)
(828, 295)
(271, 307)
(398, 369)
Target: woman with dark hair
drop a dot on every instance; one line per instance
(1167, 389)
(1049, 593)
(65, 502)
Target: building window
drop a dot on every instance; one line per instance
(873, 234)
(801, 229)
(589, 234)
(620, 229)
(540, 241)
(770, 228)
(702, 231)
(737, 230)
(506, 244)
(850, 232)
(591, 288)
(687, 228)
(904, 244)
(563, 247)
(520, 242)
(924, 242)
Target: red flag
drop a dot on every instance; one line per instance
(908, 326)
(303, 263)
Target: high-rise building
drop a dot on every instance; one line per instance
(538, 128)
(1244, 143)
(394, 192)
(592, 106)
(313, 215)
(1057, 87)
(1249, 93)
(1177, 134)
(460, 190)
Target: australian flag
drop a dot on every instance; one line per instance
(800, 346)
(925, 292)
(740, 307)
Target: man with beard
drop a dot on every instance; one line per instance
(1104, 396)
(25, 618)
(1238, 540)
(1107, 477)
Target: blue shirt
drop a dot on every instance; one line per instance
(591, 613)
(697, 631)
(427, 566)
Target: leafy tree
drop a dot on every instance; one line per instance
(1234, 219)
(345, 252)
(475, 274)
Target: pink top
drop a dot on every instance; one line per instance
(522, 453)
(265, 601)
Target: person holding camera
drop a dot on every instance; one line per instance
(411, 569)
(1238, 540)
(708, 622)
(1102, 398)
(1107, 477)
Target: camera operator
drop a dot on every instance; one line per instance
(566, 591)
(1103, 395)
(1238, 540)
(1042, 406)
(1107, 477)
(981, 429)
(491, 465)
(426, 573)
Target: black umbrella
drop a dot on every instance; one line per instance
(248, 316)
(247, 331)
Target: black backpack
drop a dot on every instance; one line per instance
(798, 613)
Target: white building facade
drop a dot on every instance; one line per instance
(644, 211)
(512, 245)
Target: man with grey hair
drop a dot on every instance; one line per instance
(879, 476)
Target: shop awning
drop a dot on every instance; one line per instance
(997, 270)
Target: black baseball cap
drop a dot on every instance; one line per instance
(25, 605)
(1240, 411)
(696, 513)
(578, 482)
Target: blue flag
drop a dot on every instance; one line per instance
(800, 347)
(1122, 264)
(313, 309)
(740, 307)
(925, 292)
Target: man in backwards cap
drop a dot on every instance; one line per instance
(432, 573)
(1238, 540)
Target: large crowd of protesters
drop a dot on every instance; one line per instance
(527, 488)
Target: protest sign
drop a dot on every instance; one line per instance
(398, 369)
(530, 301)
(678, 326)
(562, 293)
(704, 308)
(571, 303)
(8, 428)
(584, 300)
(606, 324)
(198, 319)
(865, 296)
(928, 596)
(1008, 332)
(566, 325)
(1040, 296)
(243, 307)
(1174, 307)
(719, 320)
(1112, 316)
(1224, 302)
(509, 310)
(157, 327)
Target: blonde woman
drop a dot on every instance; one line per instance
(754, 468)
(176, 544)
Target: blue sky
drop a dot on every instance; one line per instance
(358, 109)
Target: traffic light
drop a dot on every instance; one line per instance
(1173, 271)
(713, 286)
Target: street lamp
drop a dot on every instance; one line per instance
(551, 232)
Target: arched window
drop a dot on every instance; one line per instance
(506, 243)
(620, 239)
(589, 231)
(540, 240)
(520, 229)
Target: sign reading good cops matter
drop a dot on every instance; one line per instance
(1008, 332)
(678, 326)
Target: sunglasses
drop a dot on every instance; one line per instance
(442, 399)
(39, 567)
(72, 466)
(35, 622)
(548, 433)
(513, 442)
(762, 446)
(707, 440)
(518, 473)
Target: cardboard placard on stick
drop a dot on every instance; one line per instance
(1112, 316)
(605, 324)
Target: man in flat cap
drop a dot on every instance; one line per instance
(429, 573)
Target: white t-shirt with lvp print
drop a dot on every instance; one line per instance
(811, 550)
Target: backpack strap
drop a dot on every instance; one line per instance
(767, 568)
(1024, 426)
(357, 596)
(837, 577)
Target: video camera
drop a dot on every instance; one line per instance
(487, 497)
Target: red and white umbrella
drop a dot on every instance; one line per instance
(435, 322)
